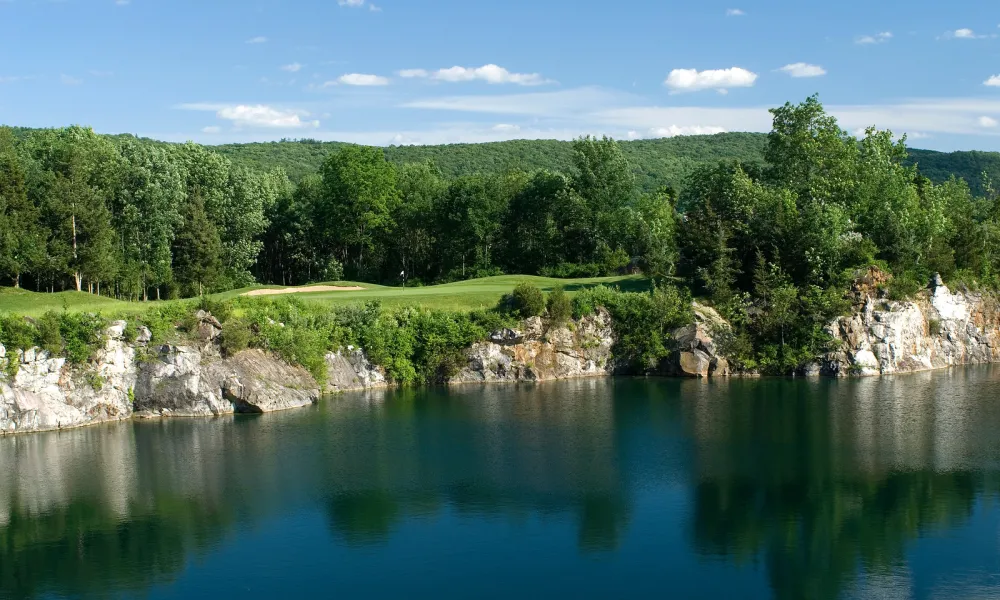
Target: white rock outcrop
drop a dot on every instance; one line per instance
(542, 352)
(47, 394)
(938, 329)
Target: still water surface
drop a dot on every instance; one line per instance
(884, 488)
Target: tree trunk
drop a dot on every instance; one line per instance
(17, 281)
(76, 257)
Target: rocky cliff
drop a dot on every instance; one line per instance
(937, 329)
(542, 351)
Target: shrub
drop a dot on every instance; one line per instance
(934, 327)
(236, 337)
(49, 336)
(904, 287)
(16, 333)
(82, 334)
(334, 270)
(525, 301)
(643, 322)
(559, 306)
(220, 309)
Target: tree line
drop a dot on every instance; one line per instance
(124, 218)
(775, 244)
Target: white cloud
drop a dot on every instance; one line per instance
(735, 12)
(878, 38)
(211, 129)
(257, 40)
(965, 34)
(374, 8)
(801, 69)
(692, 80)
(987, 122)
(254, 115)
(292, 68)
(505, 127)
(360, 79)
(70, 80)
(675, 131)
(993, 81)
(412, 73)
(490, 73)
(351, 3)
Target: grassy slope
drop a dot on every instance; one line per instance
(463, 295)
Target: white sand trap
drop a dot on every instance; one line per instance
(303, 290)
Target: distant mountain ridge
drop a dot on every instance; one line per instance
(657, 162)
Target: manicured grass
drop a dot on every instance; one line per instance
(462, 296)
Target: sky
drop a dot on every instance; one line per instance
(387, 72)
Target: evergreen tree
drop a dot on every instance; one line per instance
(21, 240)
(197, 248)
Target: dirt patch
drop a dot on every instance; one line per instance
(303, 290)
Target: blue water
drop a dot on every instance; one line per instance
(885, 488)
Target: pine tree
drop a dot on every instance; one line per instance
(197, 247)
(21, 240)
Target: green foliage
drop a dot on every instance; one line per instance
(904, 287)
(934, 327)
(96, 381)
(643, 322)
(560, 307)
(236, 336)
(220, 309)
(525, 301)
(82, 333)
(72, 335)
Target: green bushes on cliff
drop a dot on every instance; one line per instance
(74, 336)
(643, 322)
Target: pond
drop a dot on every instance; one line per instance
(767, 488)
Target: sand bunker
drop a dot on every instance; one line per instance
(303, 290)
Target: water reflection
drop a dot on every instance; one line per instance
(824, 484)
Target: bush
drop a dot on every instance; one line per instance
(934, 327)
(220, 309)
(236, 337)
(16, 333)
(525, 301)
(643, 322)
(559, 306)
(81, 334)
(334, 270)
(904, 287)
(48, 336)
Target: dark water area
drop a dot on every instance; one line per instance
(880, 488)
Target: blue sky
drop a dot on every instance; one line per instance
(437, 71)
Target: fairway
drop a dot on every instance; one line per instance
(462, 296)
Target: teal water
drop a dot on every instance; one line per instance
(882, 488)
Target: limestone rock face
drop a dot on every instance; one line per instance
(186, 381)
(937, 329)
(49, 394)
(542, 352)
(350, 370)
(697, 353)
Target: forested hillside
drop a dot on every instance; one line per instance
(656, 163)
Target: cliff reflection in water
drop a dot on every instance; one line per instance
(813, 479)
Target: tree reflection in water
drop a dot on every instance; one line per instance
(816, 480)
